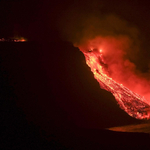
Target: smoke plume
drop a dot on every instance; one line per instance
(119, 40)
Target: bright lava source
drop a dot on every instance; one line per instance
(130, 102)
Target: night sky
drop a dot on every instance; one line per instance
(49, 97)
(40, 20)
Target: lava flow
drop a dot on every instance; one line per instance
(129, 101)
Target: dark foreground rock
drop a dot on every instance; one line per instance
(50, 100)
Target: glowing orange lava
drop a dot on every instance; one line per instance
(131, 102)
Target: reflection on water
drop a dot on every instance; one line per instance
(145, 128)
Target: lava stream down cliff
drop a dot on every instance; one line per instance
(131, 102)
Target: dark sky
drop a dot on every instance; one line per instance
(40, 20)
(47, 89)
(40, 17)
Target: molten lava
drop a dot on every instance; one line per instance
(131, 102)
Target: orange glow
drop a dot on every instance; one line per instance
(100, 50)
(14, 39)
(101, 66)
(20, 39)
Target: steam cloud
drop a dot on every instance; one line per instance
(119, 40)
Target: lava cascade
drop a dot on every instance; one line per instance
(131, 102)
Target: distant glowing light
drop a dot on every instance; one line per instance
(22, 40)
(14, 39)
(100, 50)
